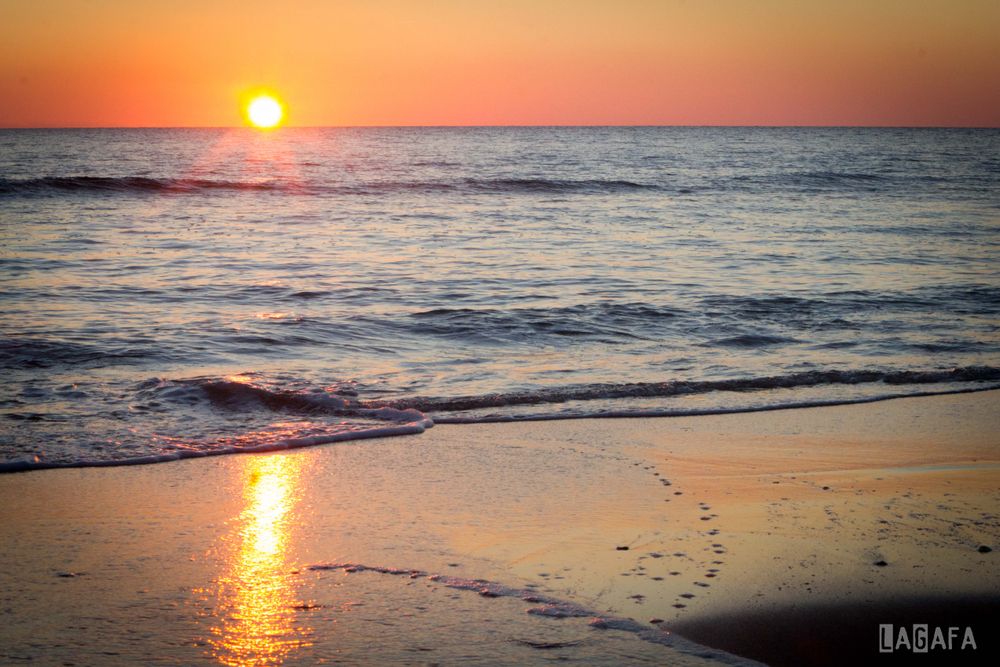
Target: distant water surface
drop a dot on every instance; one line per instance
(172, 293)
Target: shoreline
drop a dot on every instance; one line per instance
(420, 426)
(756, 519)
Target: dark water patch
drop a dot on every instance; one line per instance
(22, 352)
(127, 184)
(24, 264)
(968, 299)
(27, 416)
(837, 345)
(146, 184)
(881, 181)
(938, 347)
(751, 341)
(806, 181)
(543, 185)
(601, 321)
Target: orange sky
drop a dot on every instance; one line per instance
(503, 62)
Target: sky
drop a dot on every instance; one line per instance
(129, 63)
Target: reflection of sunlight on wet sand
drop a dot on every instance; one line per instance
(256, 606)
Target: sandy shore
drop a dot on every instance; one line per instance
(784, 536)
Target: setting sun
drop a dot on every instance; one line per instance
(265, 111)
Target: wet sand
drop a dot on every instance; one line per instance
(783, 536)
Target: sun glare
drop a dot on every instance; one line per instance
(265, 111)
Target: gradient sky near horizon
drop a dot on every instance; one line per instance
(81, 63)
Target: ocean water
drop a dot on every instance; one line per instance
(176, 293)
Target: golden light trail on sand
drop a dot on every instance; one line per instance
(257, 604)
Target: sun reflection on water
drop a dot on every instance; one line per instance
(256, 612)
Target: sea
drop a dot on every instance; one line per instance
(176, 293)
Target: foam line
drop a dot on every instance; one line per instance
(549, 607)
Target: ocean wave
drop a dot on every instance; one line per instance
(246, 396)
(544, 185)
(722, 320)
(275, 411)
(656, 413)
(963, 299)
(241, 395)
(146, 184)
(671, 388)
(794, 181)
(30, 352)
(294, 417)
(812, 181)
(606, 322)
(833, 177)
(125, 184)
(751, 341)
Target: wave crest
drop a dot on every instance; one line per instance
(150, 185)
(590, 392)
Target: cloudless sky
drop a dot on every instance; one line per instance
(508, 62)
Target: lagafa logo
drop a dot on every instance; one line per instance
(922, 638)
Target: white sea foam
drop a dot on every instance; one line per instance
(387, 431)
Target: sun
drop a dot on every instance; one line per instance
(264, 111)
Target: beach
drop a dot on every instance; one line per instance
(743, 532)
(485, 334)
(497, 395)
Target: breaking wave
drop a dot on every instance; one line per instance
(590, 392)
(783, 181)
(288, 418)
